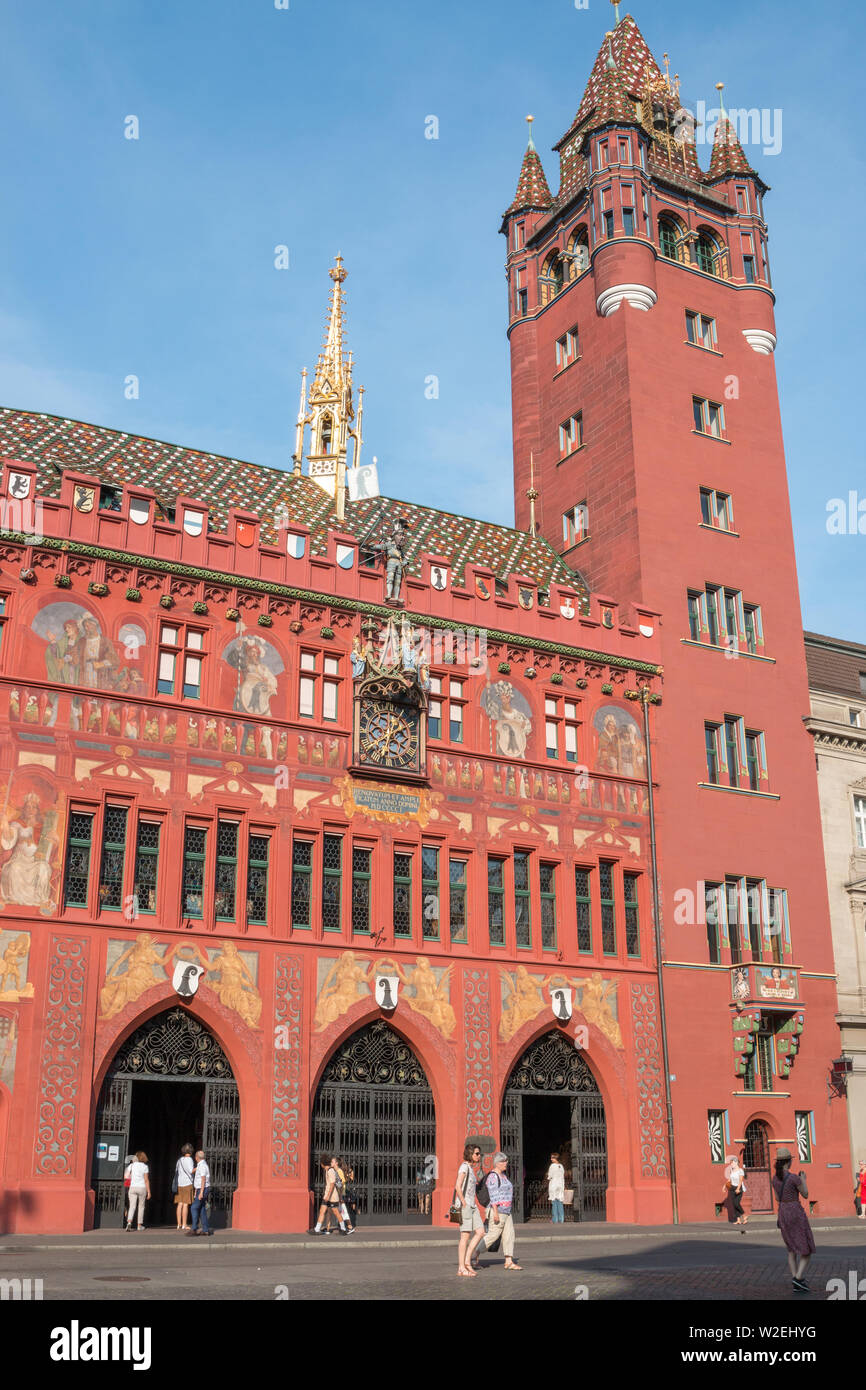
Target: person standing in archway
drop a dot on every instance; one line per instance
(139, 1189)
(184, 1182)
(792, 1219)
(556, 1188)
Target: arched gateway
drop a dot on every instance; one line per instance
(552, 1104)
(374, 1107)
(170, 1083)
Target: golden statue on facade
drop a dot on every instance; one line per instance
(236, 988)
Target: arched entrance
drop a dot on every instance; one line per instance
(552, 1104)
(169, 1084)
(756, 1162)
(374, 1107)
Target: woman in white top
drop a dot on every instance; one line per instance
(556, 1188)
(139, 1189)
(184, 1182)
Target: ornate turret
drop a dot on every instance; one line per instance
(533, 193)
(329, 410)
(727, 155)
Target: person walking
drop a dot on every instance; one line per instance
(735, 1186)
(860, 1191)
(500, 1223)
(330, 1198)
(201, 1190)
(139, 1189)
(184, 1184)
(471, 1224)
(350, 1195)
(792, 1219)
(556, 1188)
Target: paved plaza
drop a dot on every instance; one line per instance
(700, 1263)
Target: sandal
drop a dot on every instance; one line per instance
(513, 1266)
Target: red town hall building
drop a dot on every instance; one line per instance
(329, 824)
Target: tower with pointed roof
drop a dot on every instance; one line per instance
(648, 451)
(329, 411)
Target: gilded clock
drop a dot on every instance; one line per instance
(389, 736)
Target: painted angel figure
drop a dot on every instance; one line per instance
(431, 995)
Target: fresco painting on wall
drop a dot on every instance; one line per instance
(8, 1048)
(77, 652)
(619, 742)
(29, 842)
(14, 954)
(257, 664)
(510, 717)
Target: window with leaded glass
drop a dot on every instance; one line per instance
(522, 914)
(457, 877)
(402, 894)
(78, 859)
(608, 910)
(584, 909)
(547, 875)
(225, 888)
(430, 891)
(194, 849)
(361, 874)
(332, 879)
(632, 922)
(302, 882)
(113, 857)
(257, 879)
(146, 866)
(496, 901)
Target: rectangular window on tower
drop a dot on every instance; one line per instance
(113, 858)
(628, 221)
(711, 743)
(567, 350)
(709, 417)
(78, 858)
(700, 330)
(496, 901)
(571, 435)
(575, 525)
(717, 509)
(712, 912)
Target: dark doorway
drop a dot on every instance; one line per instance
(164, 1116)
(552, 1103)
(756, 1162)
(169, 1084)
(546, 1130)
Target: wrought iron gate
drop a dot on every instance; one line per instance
(173, 1046)
(756, 1162)
(374, 1108)
(553, 1066)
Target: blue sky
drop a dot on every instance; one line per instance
(305, 127)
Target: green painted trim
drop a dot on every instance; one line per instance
(328, 600)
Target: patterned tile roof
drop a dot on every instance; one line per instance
(532, 190)
(727, 155)
(631, 55)
(53, 443)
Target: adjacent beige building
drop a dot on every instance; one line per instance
(837, 682)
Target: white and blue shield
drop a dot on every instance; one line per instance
(345, 556)
(296, 545)
(193, 523)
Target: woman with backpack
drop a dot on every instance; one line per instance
(500, 1224)
(471, 1225)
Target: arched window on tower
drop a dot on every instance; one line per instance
(552, 277)
(671, 241)
(327, 433)
(710, 256)
(578, 250)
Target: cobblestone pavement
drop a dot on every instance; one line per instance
(687, 1265)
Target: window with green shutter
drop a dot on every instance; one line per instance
(113, 857)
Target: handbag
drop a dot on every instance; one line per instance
(455, 1213)
(568, 1197)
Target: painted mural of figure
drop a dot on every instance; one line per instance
(257, 684)
(513, 724)
(25, 878)
(10, 969)
(431, 995)
(121, 989)
(62, 655)
(357, 658)
(236, 987)
(340, 990)
(524, 1002)
(595, 1006)
(98, 659)
(608, 745)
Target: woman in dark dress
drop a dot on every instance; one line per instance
(793, 1221)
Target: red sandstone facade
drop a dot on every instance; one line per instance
(660, 272)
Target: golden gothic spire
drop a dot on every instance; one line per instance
(328, 410)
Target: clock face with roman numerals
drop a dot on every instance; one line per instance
(389, 736)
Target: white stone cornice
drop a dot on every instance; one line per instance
(760, 340)
(638, 296)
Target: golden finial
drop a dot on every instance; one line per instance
(338, 274)
(529, 120)
(720, 87)
(532, 496)
(667, 63)
(615, 4)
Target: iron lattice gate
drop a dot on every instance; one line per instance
(553, 1066)
(756, 1163)
(374, 1108)
(173, 1046)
